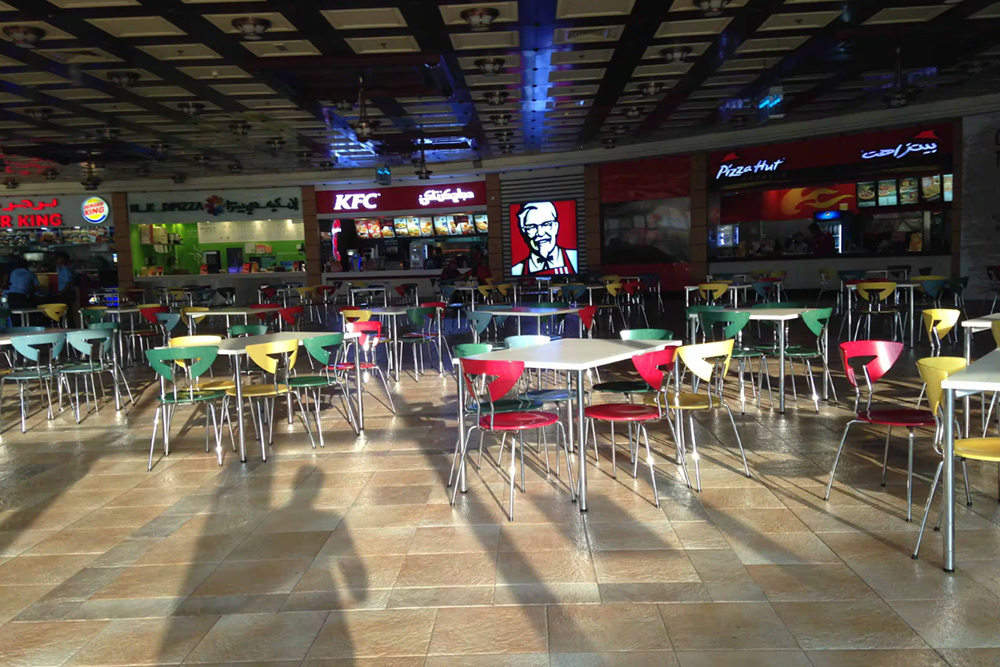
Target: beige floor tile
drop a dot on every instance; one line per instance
(863, 624)
(156, 581)
(442, 596)
(332, 574)
(355, 542)
(971, 657)
(756, 521)
(748, 625)
(386, 633)
(885, 658)
(42, 644)
(790, 658)
(522, 660)
(629, 659)
(780, 549)
(917, 580)
(117, 517)
(644, 566)
(968, 622)
(490, 630)
(177, 550)
(606, 628)
(257, 577)
(719, 566)
(475, 569)
(542, 537)
(699, 535)
(632, 535)
(394, 495)
(545, 567)
(13, 599)
(655, 592)
(454, 540)
(79, 541)
(383, 517)
(32, 570)
(259, 637)
(269, 546)
(144, 642)
(810, 583)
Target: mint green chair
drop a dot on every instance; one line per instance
(326, 351)
(646, 334)
(40, 352)
(817, 321)
(237, 330)
(732, 326)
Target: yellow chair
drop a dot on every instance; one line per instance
(309, 301)
(876, 296)
(55, 312)
(356, 315)
(933, 371)
(713, 291)
(779, 274)
(938, 322)
(612, 303)
(702, 359)
(610, 279)
(276, 359)
(201, 341)
(190, 318)
(504, 290)
(996, 332)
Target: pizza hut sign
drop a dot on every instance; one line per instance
(406, 198)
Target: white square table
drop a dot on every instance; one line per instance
(574, 356)
(236, 347)
(24, 313)
(527, 311)
(982, 375)
(237, 311)
(970, 327)
(373, 289)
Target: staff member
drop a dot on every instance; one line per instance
(23, 285)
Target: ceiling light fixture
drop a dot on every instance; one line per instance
(366, 127)
(251, 28)
(344, 106)
(40, 115)
(490, 66)
(91, 182)
(178, 178)
(327, 165)
(633, 112)
(235, 168)
(240, 128)
(711, 7)
(51, 174)
(495, 98)
(160, 148)
(480, 18)
(610, 142)
(501, 119)
(142, 171)
(506, 149)
(24, 36)
(11, 183)
(973, 68)
(124, 79)
(202, 159)
(191, 108)
(650, 89)
(676, 54)
(304, 156)
(504, 136)
(901, 93)
(276, 144)
(620, 130)
(422, 172)
(111, 133)
(739, 122)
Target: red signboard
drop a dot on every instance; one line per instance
(788, 204)
(638, 180)
(405, 198)
(543, 238)
(887, 147)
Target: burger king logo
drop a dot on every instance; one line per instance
(95, 210)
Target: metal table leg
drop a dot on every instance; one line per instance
(440, 342)
(357, 379)
(239, 408)
(781, 366)
(948, 495)
(581, 451)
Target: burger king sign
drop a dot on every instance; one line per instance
(95, 210)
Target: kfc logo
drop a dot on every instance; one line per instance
(353, 202)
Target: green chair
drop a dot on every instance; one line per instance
(630, 387)
(516, 342)
(90, 316)
(479, 321)
(557, 323)
(691, 316)
(196, 361)
(732, 325)
(94, 348)
(115, 329)
(40, 352)
(237, 330)
(646, 334)
(817, 321)
(325, 350)
(422, 320)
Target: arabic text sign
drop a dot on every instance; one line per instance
(405, 198)
(214, 205)
(51, 211)
(900, 151)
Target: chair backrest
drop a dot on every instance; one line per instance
(237, 330)
(105, 326)
(149, 313)
(194, 341)
(324, 348)
(356, 315)
(515, 342)
(30, 346)
(196, 360)
(653, 366)
(881, 354)
(572, 292)
(764, 288)
(697, 357)
(733, 323)
(933, 288)
(270, 356)
(646, 334)
(291, 315)
(613, 289)
(189, 314)
(958, 285)
(470, 349)
(505, 375)
(479, 320)
(419, 316)
(995, 328)
(92, 314)
(935, 370)
(940, 320)
(434, 304)
(871, 290)
(816, 320)
(712, 291)
(168, 320)
(369, 330)
(586, 315)
(697, 310)
(94, 343)
(54, 311)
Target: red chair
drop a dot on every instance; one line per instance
(490, 381)
(291, 316)
(653, 367)
(268, 293)
(141, 339)
(876, 357)
(370, 334)
(587, 315)
(263, 317)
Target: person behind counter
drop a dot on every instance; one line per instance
(477, 267)
(23, 285)
(821, 242)
(66, 278)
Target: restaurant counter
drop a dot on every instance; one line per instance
(390, 278)
(246, 284)
(802, 271)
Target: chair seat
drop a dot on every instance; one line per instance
(349, 366)
(906, 417)
(260, 390)
(687, 401)
(509, 405)
(221, 384)
(197, 396)
(142, 332)
(311, 381)
(979, 449)
(746, 354)
(82, 368)
(517, 421)
(884, 311)
(547, 395)
(19, 376)
(800, 351)
(623, 387)
(621, 412)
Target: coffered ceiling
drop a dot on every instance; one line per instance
(175, 87)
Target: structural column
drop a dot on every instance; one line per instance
(310, 228)
(123, 241)
(495, 239)
(699, 216)
(592, 216)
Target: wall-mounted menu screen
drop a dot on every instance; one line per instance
(482, 223)
(930, 188)
(908, 193)
(887, 193)
(948, 182)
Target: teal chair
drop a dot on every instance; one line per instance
(237, 330)
(957, 287)
(691, 317)
(114, 328)
(480, 322)
(515, 342)
(40, 352)
(817, 321)
(723, 325)
(167, 323)
(94, 349)
(196, 361)
(646, 334)
(325, 351)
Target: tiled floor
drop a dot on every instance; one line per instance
(351, 555)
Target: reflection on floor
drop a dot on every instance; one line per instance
(353, 555)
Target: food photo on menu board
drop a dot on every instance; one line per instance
(387, 229)
(441, 225)
(361, 226)
(402, 231)
(887, 193)
(482, 223)
(426, 226)
(544, 238)
(908, 193)
(413, 227)
(947, 182)
(866, 194)
(930, 188)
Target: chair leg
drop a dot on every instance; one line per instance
(152, 441)
(649, 460)
(885, 456)
(513, 462)
(968, 492)
(836, 459)
(927, 510)
(909, 478)
(694, 454)
(812, 384)
(739, 441)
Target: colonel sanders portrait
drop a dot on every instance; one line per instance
(538, 223)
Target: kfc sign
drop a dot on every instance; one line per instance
(356, 201)
(405, 198)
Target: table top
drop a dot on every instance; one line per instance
(577, 354)
(6, 338)
(468, 288)
(854, 286)
(981, 375)
(528, 311)
(771, 314)
(984, 322)
(369, 288)
(237, 310)
(24, 311)
(391, 310)
(121, 311)
(236, 346)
